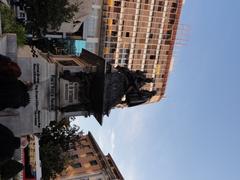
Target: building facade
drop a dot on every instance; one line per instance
(140, 35)
(89, 163)
(92, 26)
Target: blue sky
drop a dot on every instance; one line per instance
(193, 134)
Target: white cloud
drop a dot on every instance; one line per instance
(132, 123)
(107, 141)
(129, 171)
(112, 142)
(100, 142)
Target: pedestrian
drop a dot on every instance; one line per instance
(9, 143)
(8, 68)
(13, 93)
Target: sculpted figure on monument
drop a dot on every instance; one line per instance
(124, 82)
(136, 79)
(137, 98)
(114, 84)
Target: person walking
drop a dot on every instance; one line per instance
(8, 68)
(9, 143)
(13, 92)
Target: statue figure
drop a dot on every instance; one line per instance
(137, 98)
(136, 79)
(124, 82)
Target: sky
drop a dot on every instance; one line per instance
(194, 133)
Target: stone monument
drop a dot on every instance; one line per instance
(64, 86)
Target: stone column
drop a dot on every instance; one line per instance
(12, 46)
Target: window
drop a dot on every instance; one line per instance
(112, 50)
(117, 9)
(167, 42)
(152, 57)
(161, 3)
(171, 21)
(87, 146)
(76, 165)
(173, 10)
(117, 3)
(90, 154)
(172, 16)
(84, 140)
(114, 33)
(160, 8)
(68, 63)
(75, 156)
(114, 21)
(151, 36)
(22, 14)
(127, 34)
(174, 5)
(93, 163)
(116, 173)
(110, 162)
(72, 146)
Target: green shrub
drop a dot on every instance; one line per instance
(9, 24)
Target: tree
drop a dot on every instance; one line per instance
(48, 14)
(55, 142)
(9, 24)
(53, 160)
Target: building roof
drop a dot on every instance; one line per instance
(103, 159)
(118, 172)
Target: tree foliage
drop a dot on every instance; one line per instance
(9, 24)
(48, 14)
(55, 141)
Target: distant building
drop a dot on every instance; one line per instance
(32, 162)
(92, 27)
(30, 158)
(89, 163)
(140, 35)
(19, 10)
